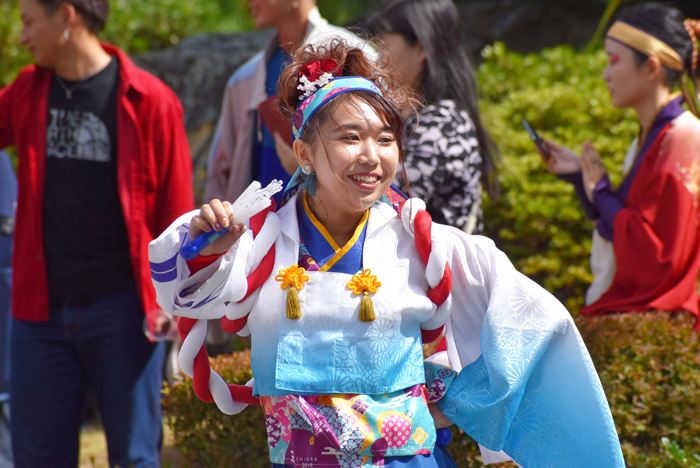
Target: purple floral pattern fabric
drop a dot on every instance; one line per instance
(346, 430)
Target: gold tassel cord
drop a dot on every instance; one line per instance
(365, 283)
(293, 306)
(367, 309)
(293, 279)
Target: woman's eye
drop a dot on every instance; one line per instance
(351, 137)
(386, 140)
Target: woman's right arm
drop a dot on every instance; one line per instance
(202, 294)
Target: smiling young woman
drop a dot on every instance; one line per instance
(340, 288)
(646, 242)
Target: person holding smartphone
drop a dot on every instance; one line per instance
(646, 242)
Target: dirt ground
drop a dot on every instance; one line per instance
(93, 449)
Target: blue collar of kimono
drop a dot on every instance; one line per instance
(318, 251)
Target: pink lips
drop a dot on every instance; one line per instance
(366, 185)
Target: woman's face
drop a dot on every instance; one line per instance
(408, 59)
(628, 83)
(355, 158)
(41, 34)
(269, 13)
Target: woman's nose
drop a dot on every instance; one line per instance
(23, 36)
(369, 152)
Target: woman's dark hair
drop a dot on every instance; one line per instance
(352, 61)
(93, 12)
(666, 24)
(448, 72)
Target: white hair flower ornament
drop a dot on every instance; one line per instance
(316, 75)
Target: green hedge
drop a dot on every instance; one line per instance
(649, 365)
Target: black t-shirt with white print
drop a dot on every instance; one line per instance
(85, 237)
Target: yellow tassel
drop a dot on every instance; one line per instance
(293, 307)
(367, 309)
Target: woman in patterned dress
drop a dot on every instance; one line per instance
(449, 155)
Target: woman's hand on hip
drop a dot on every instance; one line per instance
(216, 215)
(440, 419)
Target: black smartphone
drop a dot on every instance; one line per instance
(537, 139)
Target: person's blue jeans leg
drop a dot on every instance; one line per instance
(5, 290)
(47, 390)
(124, 369)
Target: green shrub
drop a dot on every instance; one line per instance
(134, 25)
(138, 25)
(206, 436)
(538, 221)
(649, 365)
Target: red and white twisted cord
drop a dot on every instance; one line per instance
(194, 360)
(418, 223)
(230, 398)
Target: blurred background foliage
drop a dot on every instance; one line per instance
(138, 25)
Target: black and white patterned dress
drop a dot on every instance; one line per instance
(443, 165)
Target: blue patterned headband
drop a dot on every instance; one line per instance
(337, 86)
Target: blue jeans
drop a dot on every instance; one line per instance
(5, 277)
(93, 343)
(5, 289)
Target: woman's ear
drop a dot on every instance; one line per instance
(420, 52)
(654, 68)
(302, 151)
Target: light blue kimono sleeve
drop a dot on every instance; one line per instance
(526, 383)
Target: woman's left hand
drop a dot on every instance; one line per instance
(592, 168)
(440, 419)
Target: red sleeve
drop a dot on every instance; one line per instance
(174, 162)
(7, 134)
(656, 243)
(429, 336)
(201, 262)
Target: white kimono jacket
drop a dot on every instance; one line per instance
(526, 384)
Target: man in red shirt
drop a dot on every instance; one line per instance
(104, 167)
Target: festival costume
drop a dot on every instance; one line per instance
(526, 384)
(653, 221)
(337, 333)
(646, 245)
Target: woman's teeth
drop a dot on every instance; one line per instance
(365, 178)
